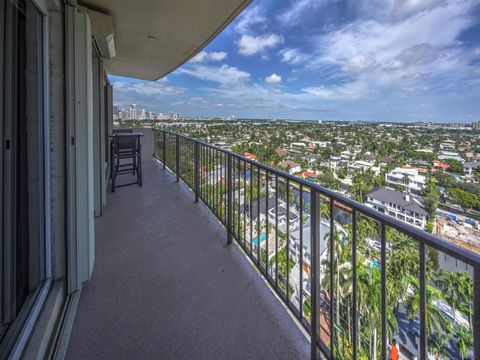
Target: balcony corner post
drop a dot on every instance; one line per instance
(229, 199)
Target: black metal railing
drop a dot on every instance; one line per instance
(354, 278)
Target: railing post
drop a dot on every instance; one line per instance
(423, 335)
(197, 170)
(229, 199)
(333, 300)
(315, 286)
(164, 156)
(383, 276)
(354, 291)
(177, 156)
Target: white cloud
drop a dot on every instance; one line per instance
(250, 45)
(223, 75)
(205, 56)
(159, 87)
(250, 17)
(292, 56)
(348, 91)
(273, 79)
(404, 8)
(298, 9)
(378, 55)
(359, 63)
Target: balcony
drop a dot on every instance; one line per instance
(165, 285)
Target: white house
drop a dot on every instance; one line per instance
(291, 166)
(281, 217)
(362, 166)
(450, 155)
(398, 205)
(398, 177)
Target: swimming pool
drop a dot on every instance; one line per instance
(256, 239)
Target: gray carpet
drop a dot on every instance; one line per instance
(166, 286)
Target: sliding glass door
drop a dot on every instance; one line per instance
(23, 248)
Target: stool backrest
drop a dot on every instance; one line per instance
(122, 131)
(126, 143)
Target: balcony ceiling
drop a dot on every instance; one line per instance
(155, 37)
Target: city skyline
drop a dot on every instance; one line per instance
(389, 61)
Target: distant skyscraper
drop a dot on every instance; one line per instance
(476, 125)
(133, 111)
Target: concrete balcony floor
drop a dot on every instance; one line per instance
(166, 286)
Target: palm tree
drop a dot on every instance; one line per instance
(436, 324)
(465, 341)
(324, 210)
(448, 281)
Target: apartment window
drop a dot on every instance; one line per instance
(23, 164)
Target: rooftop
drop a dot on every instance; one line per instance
(391, 196)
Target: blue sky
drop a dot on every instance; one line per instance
(380, 60)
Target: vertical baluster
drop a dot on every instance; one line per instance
(258, 218)
(239, 171)
(209, 175)
(250, 210)
(225, 193)
(300, 306)
(332, 287)
(229, 188)
(177, 158)
(315, 268)
(476, 311)
(354, 288)
(244, 203)
(266, 223)
(384, 290)
(276, 232)
(288, 241)
(197, 170)
(423, 338)
(164, 156)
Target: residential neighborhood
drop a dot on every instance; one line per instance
(397, 170)
(436, 167)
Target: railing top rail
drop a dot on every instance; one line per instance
(457, 252)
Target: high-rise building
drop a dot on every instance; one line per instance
(476, 125)
(133, 111)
